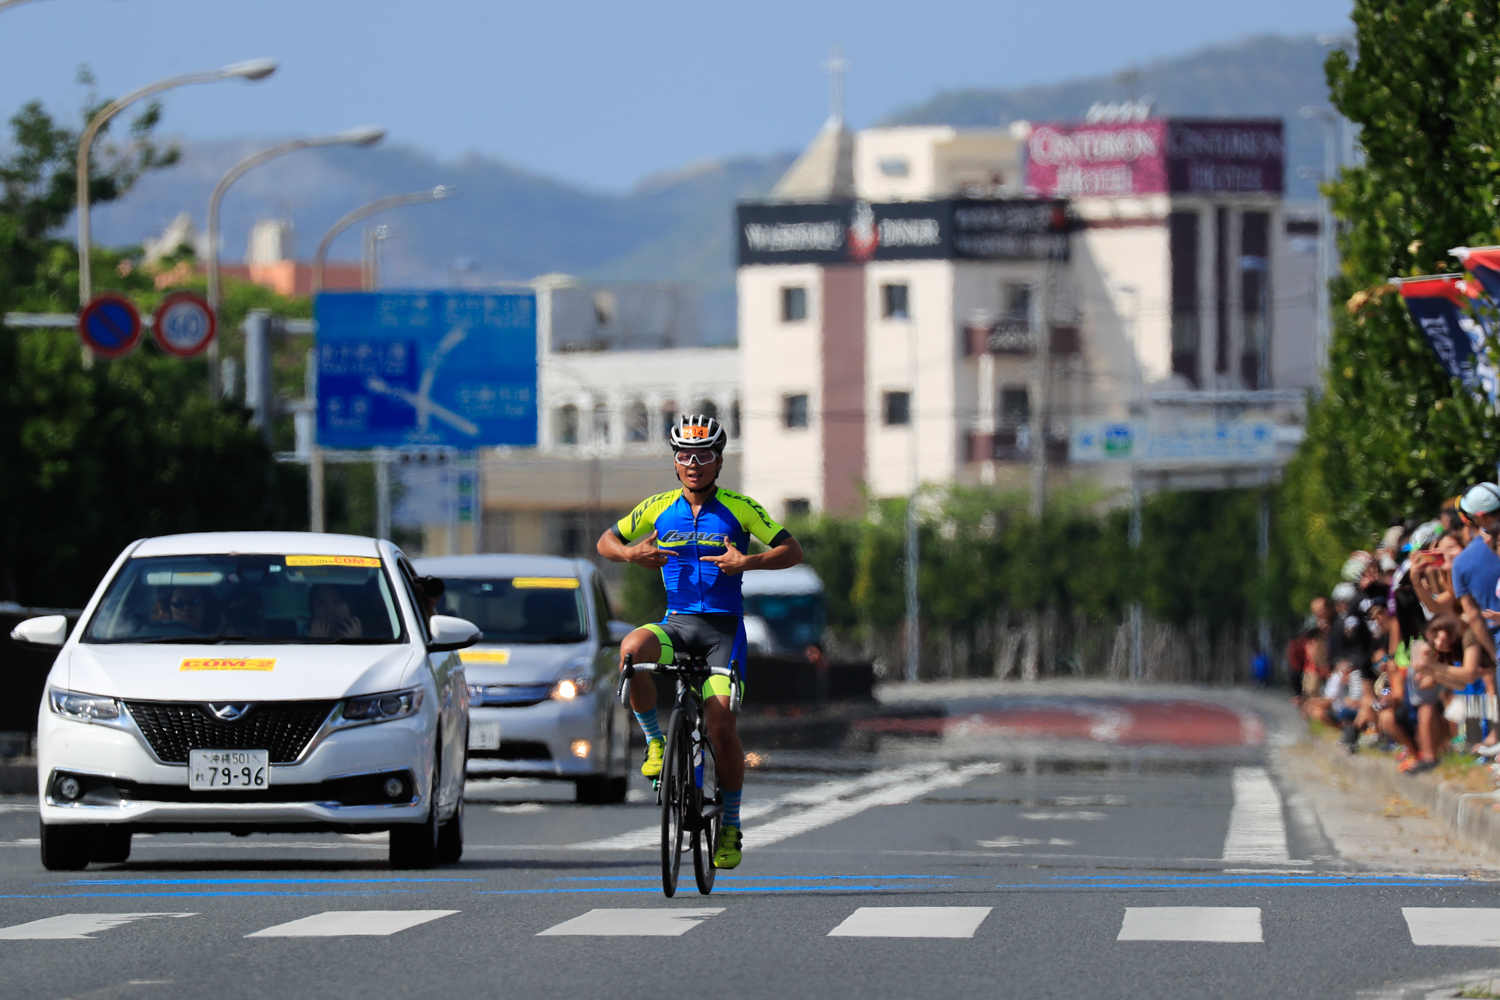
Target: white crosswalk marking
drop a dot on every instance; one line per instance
(1455, 927)
(832, 812)
(632, 923)
(1224, 924)
(1257, 831)
(912, 922)
(75, 926)
(350, 923)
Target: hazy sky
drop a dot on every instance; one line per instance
(599, 93)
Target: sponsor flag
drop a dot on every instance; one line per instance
(1436, 305)
(1484, 264)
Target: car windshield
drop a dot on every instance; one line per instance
(262, 599)
(539, 609)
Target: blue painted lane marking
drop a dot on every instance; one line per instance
(657, 889)
(256, 892)
(766, 878)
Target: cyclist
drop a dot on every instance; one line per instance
(698, 536)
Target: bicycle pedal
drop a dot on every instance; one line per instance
(656, 784)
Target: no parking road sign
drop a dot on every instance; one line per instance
(184, 325)
(109, 325)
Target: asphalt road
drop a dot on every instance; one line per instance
(1022, 847)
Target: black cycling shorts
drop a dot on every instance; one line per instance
(718, 638)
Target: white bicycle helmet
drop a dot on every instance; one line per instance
(698, 430)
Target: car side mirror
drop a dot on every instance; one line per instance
(449, 633)
(618, 631)
(48, 630)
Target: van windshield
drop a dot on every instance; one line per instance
(261, 599)
(523, 609)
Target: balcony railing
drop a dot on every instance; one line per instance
(1012, 444)
(1017, 337)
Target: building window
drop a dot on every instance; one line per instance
(668, 418)
(897, 408)
(1015, 301)
(794, 411)
(1255, 300)
(565, 424)
(1183, 241)
(637, 423)
(895, 166)
(793, 304)
(798, 507)
(1015, 406)
(893, 301)
(708, 408)
(601, 423)
(734, 419)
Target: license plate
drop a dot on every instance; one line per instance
(484, 736)
(220, 770)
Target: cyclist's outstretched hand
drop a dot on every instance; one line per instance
(732, 561)
(645, 553)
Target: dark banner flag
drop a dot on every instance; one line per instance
(1437, 305)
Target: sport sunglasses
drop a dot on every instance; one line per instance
(697, 456)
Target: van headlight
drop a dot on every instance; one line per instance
(571, 687)
(83, 707)
(381, 707)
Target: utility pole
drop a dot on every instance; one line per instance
(1137, 613)
(913, 555)
(1041, 389)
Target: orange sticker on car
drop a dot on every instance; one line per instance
(500, 656)
(332, 561)
(227, 663)
(545, 583)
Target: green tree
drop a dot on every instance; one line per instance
(1392, 435)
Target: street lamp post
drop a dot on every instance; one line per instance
(255, 69)
(1331, 123)
(366, 136)
(315, 493)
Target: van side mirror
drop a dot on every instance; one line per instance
(618, 631)
(48, 630)
(449, 633)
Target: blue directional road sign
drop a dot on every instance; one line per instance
(426, 368)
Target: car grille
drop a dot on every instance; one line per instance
(282, 727)
(514, 750)
(511, 695)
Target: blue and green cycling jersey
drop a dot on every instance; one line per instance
(694, 586)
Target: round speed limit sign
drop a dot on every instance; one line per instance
(184, 324)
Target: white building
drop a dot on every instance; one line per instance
(897, 288)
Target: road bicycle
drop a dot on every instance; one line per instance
(688, 787)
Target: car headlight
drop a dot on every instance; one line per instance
(83, 707)
(571, 687)
(381, 707)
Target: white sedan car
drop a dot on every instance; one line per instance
(253, 682)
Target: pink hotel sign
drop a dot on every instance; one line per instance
(1178, 155)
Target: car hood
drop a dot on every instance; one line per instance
(491, 663)
(233, 673)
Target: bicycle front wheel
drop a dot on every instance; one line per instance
(706, 837)
(676, 793)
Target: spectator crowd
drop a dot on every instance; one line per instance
(1401, 654)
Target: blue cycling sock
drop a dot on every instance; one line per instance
(731, 806)
(649, 724)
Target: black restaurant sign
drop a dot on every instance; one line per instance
(846, 232)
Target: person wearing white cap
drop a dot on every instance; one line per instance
(1476, 571)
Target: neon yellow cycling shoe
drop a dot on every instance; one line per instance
(651, 765)
(728, 855)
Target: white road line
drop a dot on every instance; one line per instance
(1063, 815)
(350, 923)
(76, 926)
(632, 923)
(650, 836)
(912, 922)
(1456, 927)
(1223, 924)
(520, 809)
(1026, 842)
(832, 812)
(1257, 831)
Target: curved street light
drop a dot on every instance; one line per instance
(364, 212)
(315, 496)
(255, 69)
(367, 135)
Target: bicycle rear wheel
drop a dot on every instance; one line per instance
(676, 793)
(706, 837)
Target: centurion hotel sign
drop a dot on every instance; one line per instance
(853, 232)
(1203, 156)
